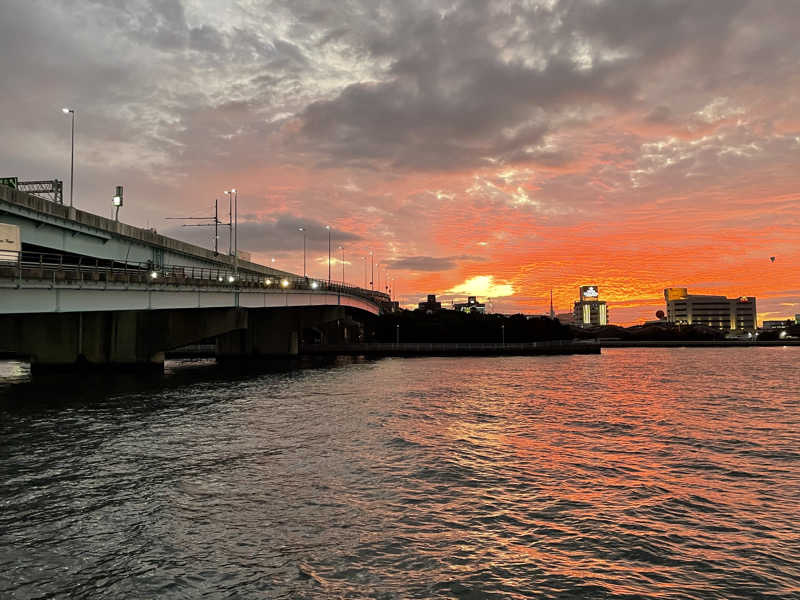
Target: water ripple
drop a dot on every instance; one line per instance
(638, 474)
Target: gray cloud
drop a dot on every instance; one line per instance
(277, 234)
(172, 90)
(429, 263)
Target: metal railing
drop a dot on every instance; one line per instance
(58, 268)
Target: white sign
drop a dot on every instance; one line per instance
(9, 243)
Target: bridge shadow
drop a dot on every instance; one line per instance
(21, 390)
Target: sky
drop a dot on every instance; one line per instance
(491, 148)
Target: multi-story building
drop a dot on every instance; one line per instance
(718, 312)
(471, 305)
(431, 305)
(589, 310)
(778, 324)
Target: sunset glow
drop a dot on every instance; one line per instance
(497, 149)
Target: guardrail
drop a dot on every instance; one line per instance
(57, 268)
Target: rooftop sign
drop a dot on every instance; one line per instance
(589, 292)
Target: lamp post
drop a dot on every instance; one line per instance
(364, 258)
(372, 270)
(342, 249)
(235, 195)
(328, 227)
(303, 229)
(71, 111)
(503, 333)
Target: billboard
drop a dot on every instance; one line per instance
(589, 293)
(10, 245)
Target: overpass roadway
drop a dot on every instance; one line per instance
(86, 291)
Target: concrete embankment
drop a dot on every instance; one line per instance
(694, 343)
(454, 349)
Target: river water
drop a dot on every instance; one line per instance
(639, 473)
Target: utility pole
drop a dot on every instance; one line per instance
(216, 223)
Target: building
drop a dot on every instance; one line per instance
(471, 305)
(430, 305)
(566, 318)
(718, 312)
(589, 310)
(779, 324)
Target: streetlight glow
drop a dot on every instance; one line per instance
(303, 230)
(71, 111)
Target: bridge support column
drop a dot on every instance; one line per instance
(121, 339)
(281, 332)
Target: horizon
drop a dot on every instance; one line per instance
(498, 149)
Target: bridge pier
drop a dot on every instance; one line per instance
(118, 339)
(282, 332)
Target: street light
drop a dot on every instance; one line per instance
(303, 229)
(235, 194)
(372, 270)
(117, 201)
(342, 249)
(71, 111)
(364, 258)
(328, 227)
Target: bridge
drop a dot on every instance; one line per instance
(86, 291)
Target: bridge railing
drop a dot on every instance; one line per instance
(58, 268)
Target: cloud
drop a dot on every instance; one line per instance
(277, 233)
(483, 286)
(429, 263)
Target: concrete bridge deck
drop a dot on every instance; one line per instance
(86, 291)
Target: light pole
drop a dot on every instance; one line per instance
(328, 227)
(71, 111)
(503, 333)
(364, 258)
(342, 249)
(372, 270)
(303, 229)
(233, 193)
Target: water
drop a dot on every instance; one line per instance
(641, 473)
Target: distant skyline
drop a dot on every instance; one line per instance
(496, 149)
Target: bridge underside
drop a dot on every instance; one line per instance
(139, 338)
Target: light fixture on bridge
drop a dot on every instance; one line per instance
(220, 278)
(153, 274)
(268, 281)
(117, 202)
(231, 278)
(284, 283)
(314, 285)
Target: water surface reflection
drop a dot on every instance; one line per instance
(641, 473)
